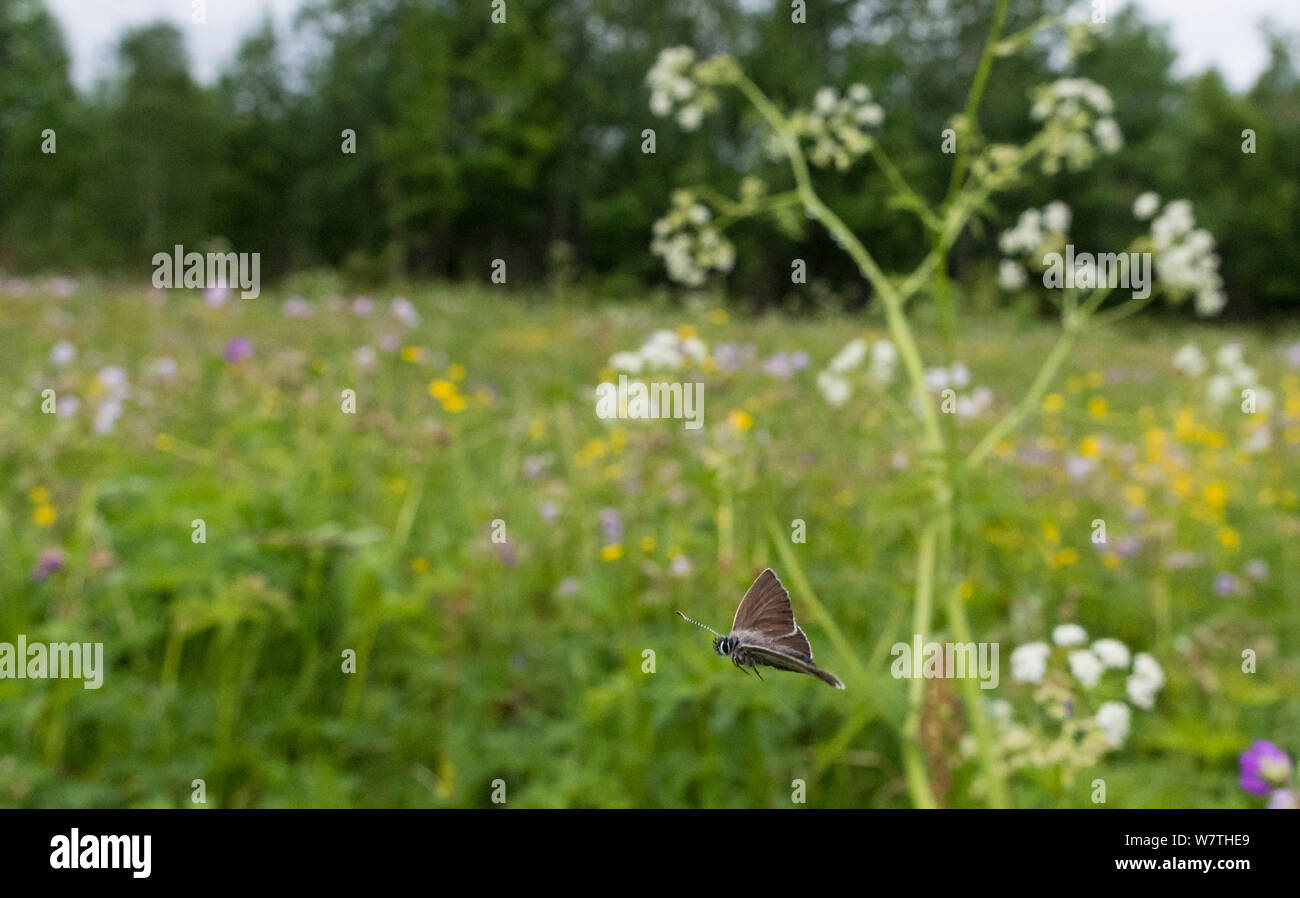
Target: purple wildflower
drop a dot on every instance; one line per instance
(237, 350)
(297, 307)
(730, 357)
(1226, 585)
(611, 526)
(51, 562)
(1264, 767)
(779, 366)
(1079, 467)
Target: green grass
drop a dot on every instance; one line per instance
(329, 531)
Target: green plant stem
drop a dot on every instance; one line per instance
(999, 794)
(976, 95)
(914, 201)
(918, 780)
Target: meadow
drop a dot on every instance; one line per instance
(500, 559)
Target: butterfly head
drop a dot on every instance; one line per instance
(724, 645)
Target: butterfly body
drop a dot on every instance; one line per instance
(764, 633)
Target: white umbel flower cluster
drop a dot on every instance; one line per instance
(1088, 666)
(1233, 376)
(1185, 257)
(1145, 682)
(691, 247)
(663, 350)
(835, 381)
(836, 127)
(674, 89)
(1036, 231)
(1076, 117)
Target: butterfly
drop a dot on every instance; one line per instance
(764, 633)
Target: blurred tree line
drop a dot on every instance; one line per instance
(523, 141)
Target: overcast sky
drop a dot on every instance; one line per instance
(1221, 33)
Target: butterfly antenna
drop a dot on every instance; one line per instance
(698, 624)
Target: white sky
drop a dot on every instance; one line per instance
(1222, 33)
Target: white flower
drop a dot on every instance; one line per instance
(1057, 216)
(1145, 681)
(976, 404)
(1069, 634)
(297, 307)
(1076, 121)
(1113, 720)
(1230, 355)
(959, 375)
(68, 405)
(1176, 221)
(629, 362)
(1108, 135)
(1146, 666)
(1219, 389)
(1029, 662)
(694, 349)
(849, 357)
(107, 414)
(1111, 652)
(1026, 237)
(365, 356)
(403, 309)
(688, 242)
(1086, 667)
(834, 388)
(675, 82)
(1244, 376)
(1210, 302)
(835, 124)
(1146, 205)
(62, 353)
(114, 381)
(1000, 710)
(1011, 275)
(165, 368)
(1188, 360)
(883, 359)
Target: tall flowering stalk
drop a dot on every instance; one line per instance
(837, 131)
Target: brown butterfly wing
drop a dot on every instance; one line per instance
(766, 608)
(780, 659)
